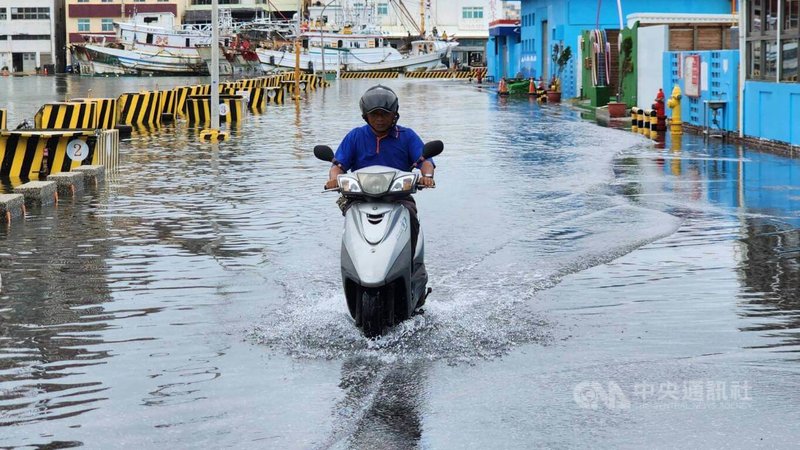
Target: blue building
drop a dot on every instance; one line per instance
(771, 99)
(546, 22)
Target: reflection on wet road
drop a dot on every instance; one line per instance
(195, 299)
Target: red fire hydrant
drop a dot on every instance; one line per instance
(661, 115)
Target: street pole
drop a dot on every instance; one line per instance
(214, 110)
(322, 36)
(297, 52)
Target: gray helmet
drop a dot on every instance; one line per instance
(379, 97)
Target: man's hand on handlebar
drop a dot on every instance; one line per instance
(332, 184)
(426, 182)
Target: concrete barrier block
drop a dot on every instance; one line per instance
(11, 205)
(38, 192)
(67, 183)
(91, 174)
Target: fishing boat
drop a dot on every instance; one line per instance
(355, 52)
(138, 59)
(237, 60)
(150, 44)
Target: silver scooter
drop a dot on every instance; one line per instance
(384, 282)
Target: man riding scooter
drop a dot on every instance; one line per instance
(382, 262)
(382, 143)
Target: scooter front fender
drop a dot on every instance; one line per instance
(376, 244)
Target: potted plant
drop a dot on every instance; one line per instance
(561, 56)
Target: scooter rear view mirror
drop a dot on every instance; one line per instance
(323, 152)
(431, 149)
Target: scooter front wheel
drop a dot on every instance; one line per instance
(371, 314)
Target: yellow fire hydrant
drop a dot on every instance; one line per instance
(674, 103)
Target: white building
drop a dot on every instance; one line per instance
(28, 30)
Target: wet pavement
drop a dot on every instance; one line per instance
(589, 289)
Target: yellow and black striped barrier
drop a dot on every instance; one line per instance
(351, 75)
(65, 116)
(140, 109)
(644, 122)
(181, 94)
(653, 125)
(168, 102)
(3, 119)
(274, 81)
(289, 86)
(212, 135)
(105, 112)
(251, 83)
(313, 80)
(478, 72)
(22, 151)
(275, 95)
(635, 119)
(430, 74)
(198, 109)
(256, 96)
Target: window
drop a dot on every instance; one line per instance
(30, 37)
(3, 15)
(107, 25)
(789, 70)
(83, 1)
(772, 45)
(83, 25)
(383, 9)
(791, 15)
(472, 12)
(106, 1)
(30, 13)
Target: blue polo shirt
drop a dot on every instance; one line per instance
(399, 149)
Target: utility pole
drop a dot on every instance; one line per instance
(213, 134)
(214, 110)
(297, 51)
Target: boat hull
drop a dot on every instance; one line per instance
(144, 59)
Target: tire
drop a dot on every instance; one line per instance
(371, 314)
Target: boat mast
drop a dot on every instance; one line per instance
(422, 17)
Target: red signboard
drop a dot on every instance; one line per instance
(691, 76)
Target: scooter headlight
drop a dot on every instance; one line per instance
(403, 183)
(348, 184)
(375, 183)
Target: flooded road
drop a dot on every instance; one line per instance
(589, 289)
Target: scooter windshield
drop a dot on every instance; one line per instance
(375, 183)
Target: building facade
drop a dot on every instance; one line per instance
(544, 23)
(94, 19)
(199, 11)
(771, 78)
(30, 37)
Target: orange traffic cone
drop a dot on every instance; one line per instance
(502, 89)
(531, 87)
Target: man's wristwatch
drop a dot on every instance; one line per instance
(427, 175)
